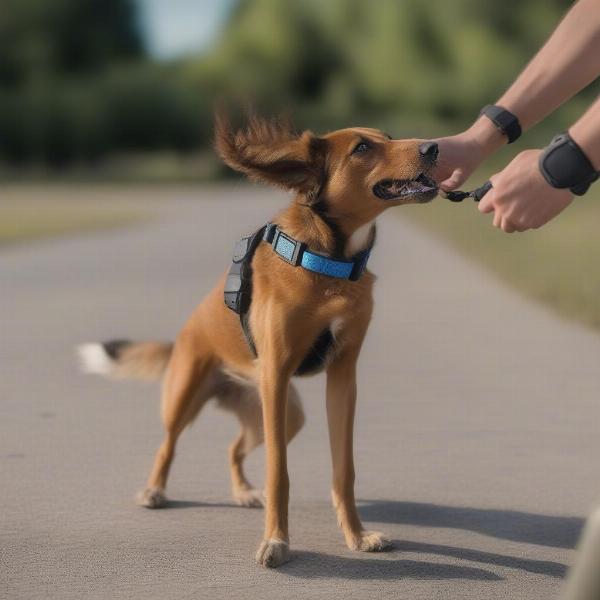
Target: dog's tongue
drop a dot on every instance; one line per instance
(397, 187)
(416, 187)
(425, 184)
(403, 188)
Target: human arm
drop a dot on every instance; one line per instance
(521, 198)
(567, 62)
(586, 133)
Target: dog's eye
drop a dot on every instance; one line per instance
(361, 147)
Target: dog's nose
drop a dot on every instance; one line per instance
(429, 150)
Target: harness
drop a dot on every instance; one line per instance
(238, 285)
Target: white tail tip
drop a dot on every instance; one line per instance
(93, 358)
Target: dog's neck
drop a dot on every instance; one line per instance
(323, 233)
(361, 238)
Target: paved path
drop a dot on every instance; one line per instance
(477, 441)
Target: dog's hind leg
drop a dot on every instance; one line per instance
(189, 383)
(244, 400)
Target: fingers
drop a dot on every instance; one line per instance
(501, 220)
(497, 222)
(507, 226)
(521, 198)
(455, 180)
(486, 204)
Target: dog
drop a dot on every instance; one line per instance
(298, 317)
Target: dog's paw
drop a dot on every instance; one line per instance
(152, 498)
(250, 497)
(371, 541)
(273, 553)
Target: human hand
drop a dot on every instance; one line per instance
(521, 198)
(461, 154)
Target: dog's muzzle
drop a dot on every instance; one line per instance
(422, 189)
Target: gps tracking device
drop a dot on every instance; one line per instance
(564, 165)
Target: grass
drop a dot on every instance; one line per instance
(557, 264)
(29, 212)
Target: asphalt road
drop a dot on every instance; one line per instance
(477, 442)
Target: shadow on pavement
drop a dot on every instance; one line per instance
(197, 504)
(316, 565)
(542, 567)
(530, 528)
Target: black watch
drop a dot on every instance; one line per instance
(564, 165)
(504, 120)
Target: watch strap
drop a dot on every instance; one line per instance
(504, 120)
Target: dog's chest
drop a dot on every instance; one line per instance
(319, 355)
(322, 350)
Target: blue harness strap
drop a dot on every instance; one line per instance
(297, 254)
(238, 284)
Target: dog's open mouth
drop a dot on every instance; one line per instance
(422, 188)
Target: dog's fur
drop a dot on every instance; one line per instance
(333, 211)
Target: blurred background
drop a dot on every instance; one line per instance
(83, 82)
(115, 218)
(97, 92)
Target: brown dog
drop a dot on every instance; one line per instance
(342, 182)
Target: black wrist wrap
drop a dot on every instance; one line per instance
(564, 165)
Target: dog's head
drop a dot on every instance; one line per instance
(352, 175)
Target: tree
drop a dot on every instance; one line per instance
(58, 37)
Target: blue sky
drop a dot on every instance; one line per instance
(176, 27)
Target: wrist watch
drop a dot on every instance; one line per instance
(504, 120)
(564, 165)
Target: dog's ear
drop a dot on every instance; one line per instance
(270, 151)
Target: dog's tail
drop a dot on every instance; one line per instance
(122, 359)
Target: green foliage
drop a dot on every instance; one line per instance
(131, 107)
(41, 37)
(347, 59)
(75, 84)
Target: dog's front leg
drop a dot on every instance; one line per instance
(275, 378)
(341, 404)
